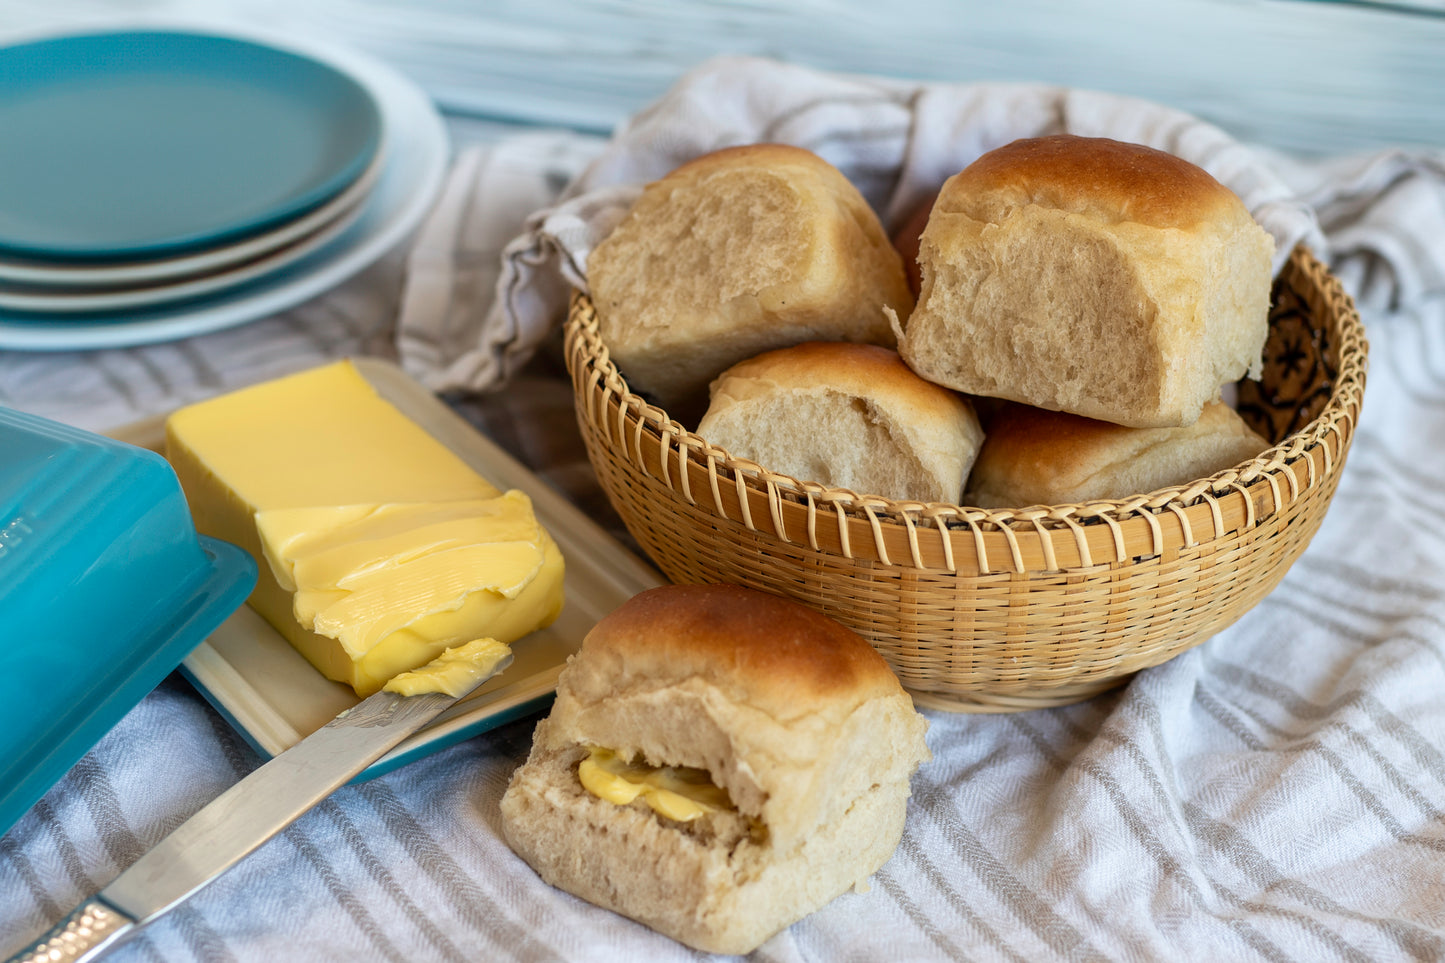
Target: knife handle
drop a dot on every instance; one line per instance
(91, 928)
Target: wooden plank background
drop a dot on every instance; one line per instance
(1307, 76)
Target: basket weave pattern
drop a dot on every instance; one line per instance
(1002, 609)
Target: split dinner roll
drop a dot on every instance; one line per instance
(1091, 276)
(847, 416)
(1038, 457)
(734, 253)
(789, 726)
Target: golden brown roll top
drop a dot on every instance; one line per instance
(846, 416)
(734, 253)
(1038, 457)
(769, 653)
(1091, 276)
(1104, 180)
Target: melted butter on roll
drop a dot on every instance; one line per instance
(677, 792)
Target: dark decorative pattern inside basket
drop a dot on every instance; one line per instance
(1300, 366)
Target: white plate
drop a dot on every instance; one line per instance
(57, 274)
(403, 194)
(274, 697)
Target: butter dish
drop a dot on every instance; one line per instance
(105, 587)
(274, 698)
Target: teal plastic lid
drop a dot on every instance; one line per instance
(104, 588)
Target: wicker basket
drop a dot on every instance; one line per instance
(1002, 610)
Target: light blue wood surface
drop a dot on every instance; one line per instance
(1311, 77)
(1307, 76)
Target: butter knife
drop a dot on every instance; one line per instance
(243, 817)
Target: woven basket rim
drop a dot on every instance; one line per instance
(1241, 496)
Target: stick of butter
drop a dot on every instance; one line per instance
(379, 548)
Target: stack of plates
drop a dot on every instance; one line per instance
(161, 183)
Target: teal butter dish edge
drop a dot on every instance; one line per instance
(229, 576)
(104, 587)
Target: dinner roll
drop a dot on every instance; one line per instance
(1038, 457)
(1091, 276)
(733, 253)
(847, 416)
(789, 727)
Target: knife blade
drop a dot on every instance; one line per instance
(243, 817)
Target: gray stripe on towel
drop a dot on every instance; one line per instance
(1378, 585)
(1031, 908)
(125, 848)
(1420, 943)
(1140, 829)
(1378, 462)
(480, 910)
(941, 789)
(79, 878)
(352, 906)
(378, 872)
(1429, 756)
(879, 99)
(911, 850)
(239, 759)
(1358, 742)
(1218, 834)
(49, 909)
(1367, 798)
(1309, 610)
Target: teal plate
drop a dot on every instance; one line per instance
(152, 143)
(104, 588)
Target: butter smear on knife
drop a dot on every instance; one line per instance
(379, 548)
(455, 672)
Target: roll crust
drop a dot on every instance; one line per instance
(1038, 457)
(734, 253)
(764, 651)
(1091, 276)
(1106, 180)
